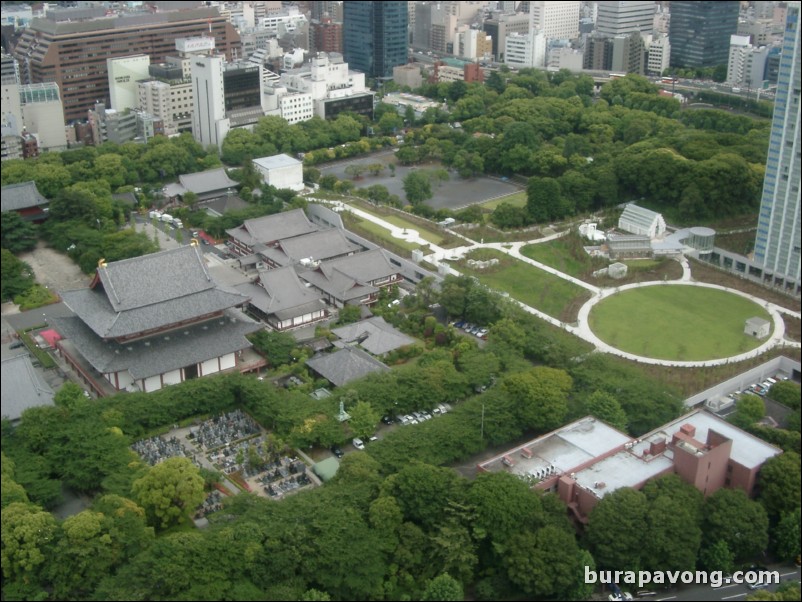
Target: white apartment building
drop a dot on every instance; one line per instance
(173, 103)
(622, 17)
(124, 74)
(522, 51)
(43, 115)
(747, 64)
(659, 55)
(291, 106)
(563, 57)
(556, 19)
(473, 44)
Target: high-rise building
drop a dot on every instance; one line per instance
(659, 55)
(327, 36)
(777, 244)
(73, 53)
(209, 123)
(700, 32)
(557, 20)
(616, 18)
(747, 64)
(375, 36)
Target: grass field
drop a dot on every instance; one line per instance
(357, 223)
(397, 220)
(528, 284)
(516, 199)
(676, 322)
(562, 254)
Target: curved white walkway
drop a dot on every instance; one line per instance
(582, 327)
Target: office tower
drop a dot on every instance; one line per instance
(700, 32)
(557, 20)
(778, 231)
(375, 36)
(616, 18)
(747, 64)
(209, 125)
(73, 53)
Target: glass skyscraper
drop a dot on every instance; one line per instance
(375, 36)
(777, 245)
(699, 32)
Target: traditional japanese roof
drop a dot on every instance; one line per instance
(374, 335)
(271, 228)
(22, 387)
(163, 352)
(202, 183)
(282, 294)
(367, 267)
(345, 365)
(337, 284)
(318, 246)
(151, 292)
(24, 195)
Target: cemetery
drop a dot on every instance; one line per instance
(234, 445)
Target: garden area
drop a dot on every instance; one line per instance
(550, 294)
(682, 323)
(568, 255)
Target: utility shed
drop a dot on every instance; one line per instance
(757, 327)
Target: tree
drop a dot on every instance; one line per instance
(443, 588)
(749, 410)
(544, 199)
(544, 564)
(730, 516)
(28, 536)
(505, 505)
(541, 395)
(277, 346)
(18, 234)
(780, 483)
(16, 277)
(363, 419)
(605, 407)
(787, 535)
(170, 491)
(417, 187)
(717, 557)
(785, 392)
(616, 527)
(673, 537)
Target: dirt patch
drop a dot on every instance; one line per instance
(55, 271)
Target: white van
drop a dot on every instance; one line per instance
(166, 217)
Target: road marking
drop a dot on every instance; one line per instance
(786, 574)
(669, 598)
(731, 597)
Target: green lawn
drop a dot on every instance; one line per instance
(550, 294)
(516, 199)
(381, 233)
(557, 254)
(676, 322)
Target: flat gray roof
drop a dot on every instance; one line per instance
(22, 387)
(276, 161)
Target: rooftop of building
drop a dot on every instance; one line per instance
(277, 161)
(270, 228)
(23, 195)
(281, 293)
(374, 335)
(22, 387)
(345, 365)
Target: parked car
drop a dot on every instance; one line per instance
(373, 438)
(387, 419)
(358, 443)
(426, 415)
(337, 451)
(16, 345)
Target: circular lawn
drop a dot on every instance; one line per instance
(679, 322)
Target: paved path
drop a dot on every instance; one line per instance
(582, 327)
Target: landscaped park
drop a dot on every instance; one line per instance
(683, 323)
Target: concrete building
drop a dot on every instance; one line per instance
(659, 55)
(120, 127)
(616, 18)
(125, 73)
(209, 123)
(327, 36)
(757, 327)
(629, 54)
(557, 20)
(529, 50)
(43, 115)
(747, 64)
(777, 244)
(408, 75)
(586, 460)
(281, 171)
(473, 44)
(402, 100)
(700, 32)
(152, 321)
(375, 36)
(564, 57)
(333, 87)
(293, 107)
(500, 26)
(58, 49)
